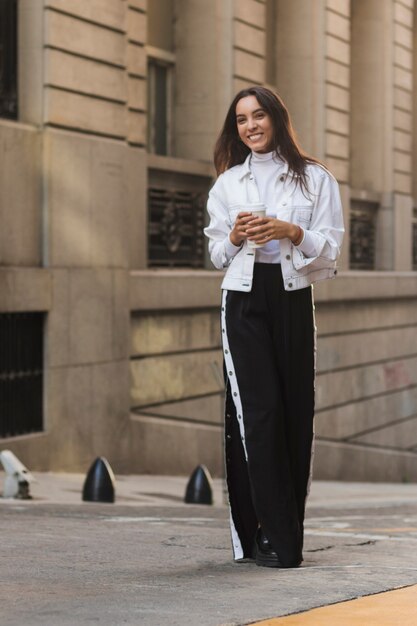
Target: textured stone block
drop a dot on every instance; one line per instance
(339, 168)
(166, 378)
(156, 333)
(137, 94)
(361, 382)
(402, 182)
(338, 461)
(356, 349)
(337, 145)
(249, 38)
(337, 73)
(403, 162)
(136, 206)
(403, 78)
(403, 15)
(337, 121)
(340, 6)
(240, 83)
(83, 38)
(347, 421)
(88, 321)
(20, 195)
(249, 66)
(403, 58)
(338, 25)
(138, 4)
(136, 59)
(402, 140)
(402, 435)
(334, 318)
(136, 128)
(154, 290)
(106, 12)
(208, 409)
(85, 179)
(403, 120)
(25, 289)
(77, 111)
(403, 99)
(337, 98)
(337, 50)
(84, 75)
(136, 26)
(250, 11)
(161, 446)
(403, 35)
(88, 416)
(370, 286)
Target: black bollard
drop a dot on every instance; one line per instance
(199, 488)
(99, 482)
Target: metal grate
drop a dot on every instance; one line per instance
(176, 220)
(8, 59)
(21, 373)
(362, 235)
(415, 239)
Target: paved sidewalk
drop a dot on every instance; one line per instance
(149, 559)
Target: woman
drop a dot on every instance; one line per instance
(268, 327)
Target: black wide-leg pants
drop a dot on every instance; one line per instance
(269, 355)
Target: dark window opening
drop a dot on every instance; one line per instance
(414, 239)
(159, 107)
(8, 59)
(176, 221)
(362, 235)
(21, 373)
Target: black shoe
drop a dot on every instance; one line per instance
(265, 554)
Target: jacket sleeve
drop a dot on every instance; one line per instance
(324, 236)
(221, 249)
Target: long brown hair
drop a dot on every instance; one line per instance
(230, 150)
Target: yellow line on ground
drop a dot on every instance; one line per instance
(392, 608)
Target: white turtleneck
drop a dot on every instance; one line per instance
(265, 167)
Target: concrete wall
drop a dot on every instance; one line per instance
(366, 404)
(133, 364)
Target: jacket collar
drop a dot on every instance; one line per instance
(245, 169)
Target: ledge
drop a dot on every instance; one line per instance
(365, 285)
(25, 289)
(181, 166)
(155, 290)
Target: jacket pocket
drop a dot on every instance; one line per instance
(301, 215)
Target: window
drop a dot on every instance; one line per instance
(161, 64)
(415, 239)
(8, 59)
(362, 234)
(176, 220)
(160, 106)
(21, 373)
(271, 35)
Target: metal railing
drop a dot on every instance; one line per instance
(175, 235)
(21, 373)
(8, 59)
(362, 234)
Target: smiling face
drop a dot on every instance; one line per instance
(254, 125)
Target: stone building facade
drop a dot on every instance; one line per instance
(109, 337)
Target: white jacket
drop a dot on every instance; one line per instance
(319, 212)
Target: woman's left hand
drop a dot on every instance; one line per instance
(263, 229)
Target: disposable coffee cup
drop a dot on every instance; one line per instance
(257, 210)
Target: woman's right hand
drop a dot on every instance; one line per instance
(238, 233)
